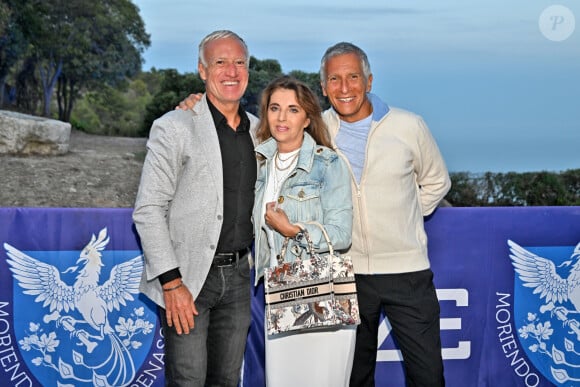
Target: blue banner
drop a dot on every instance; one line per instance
(508, 281)
(70, 310)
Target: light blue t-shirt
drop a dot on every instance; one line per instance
(352, 136)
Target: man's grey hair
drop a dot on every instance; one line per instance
(221, 34)
(341, 49)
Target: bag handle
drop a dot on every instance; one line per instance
(323, 229)
(309, 243)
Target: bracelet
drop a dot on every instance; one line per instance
(173, 288)
(299, 237)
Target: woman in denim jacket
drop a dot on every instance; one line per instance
(299, 180)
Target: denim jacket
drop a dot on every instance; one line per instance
(318, 189)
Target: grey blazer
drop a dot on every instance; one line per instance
(179, 207)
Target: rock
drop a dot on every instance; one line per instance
(30, 135)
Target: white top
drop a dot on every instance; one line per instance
(281, 167)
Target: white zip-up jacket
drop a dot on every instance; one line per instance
(403, 179)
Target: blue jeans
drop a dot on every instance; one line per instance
(212, 353)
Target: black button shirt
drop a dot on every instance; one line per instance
(239, 173)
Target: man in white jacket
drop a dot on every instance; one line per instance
(398, 177)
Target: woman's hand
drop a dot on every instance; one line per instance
(277, 219)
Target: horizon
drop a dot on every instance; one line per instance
(497, 84)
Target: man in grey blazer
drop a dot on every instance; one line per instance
(193, 216)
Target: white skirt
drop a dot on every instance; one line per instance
(315, 359)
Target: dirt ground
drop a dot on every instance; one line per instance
(98, 171)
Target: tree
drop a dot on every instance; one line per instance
(18, 23)
(29, 94)
(571, 183)
(75, 45)
(543, 189)
(174, 88)
(111, 38)
(313, 81)
(515, 189)
(4, 17)
(113, 111)
(261, 73)
(464, 190)
(56, 33)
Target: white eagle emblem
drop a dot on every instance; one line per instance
(90, 299)
(541, 275)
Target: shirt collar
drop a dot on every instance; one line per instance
(380, 108)
(220, 120)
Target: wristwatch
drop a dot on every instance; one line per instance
(299, 237)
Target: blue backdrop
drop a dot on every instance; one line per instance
(506, 279)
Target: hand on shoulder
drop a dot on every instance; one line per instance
(189, 102)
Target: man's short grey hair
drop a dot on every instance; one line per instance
(221, 34)
(341, 49)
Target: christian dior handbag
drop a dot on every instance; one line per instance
(316, 292)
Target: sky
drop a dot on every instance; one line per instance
(496, 81)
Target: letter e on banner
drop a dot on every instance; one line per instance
(463, 348)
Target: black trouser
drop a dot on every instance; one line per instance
(410, 303)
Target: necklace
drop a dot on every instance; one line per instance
(278, 179)
(281, 169)
(281, 163)
(291, 154)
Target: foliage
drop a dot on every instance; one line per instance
(261, 73)
(463, 190)
(17, 25)
(571, 181)
(105, 110)
(110, 37)
(90, 52)
(313, 81)
(173, 88)
(113, 111)
(515, 189)
(74, 47)
(27, 83)
(4, 17)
